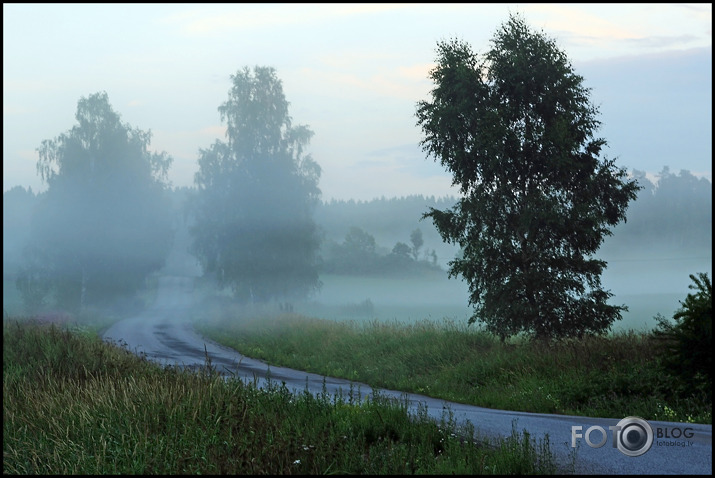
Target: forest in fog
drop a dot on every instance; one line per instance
(669, 223)
(255, 228)
(672, 218)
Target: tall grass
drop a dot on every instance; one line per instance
(612, 377)
(76, 405)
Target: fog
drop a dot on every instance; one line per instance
(648, 269)
(266, 226)
(648, 264)
(652, 285)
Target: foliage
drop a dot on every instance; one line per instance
(675, 214)
(516, 130)
(18, 204)
(388, 220)
(34, 282)
(592, 376)
(73, 404)
(417, 242)
(256, 194)
(689, 341)
(103, 224)
(358, 255)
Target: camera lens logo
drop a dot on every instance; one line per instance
(634, 436)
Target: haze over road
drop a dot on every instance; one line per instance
(165, 335)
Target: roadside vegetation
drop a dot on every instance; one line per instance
(73, 404)
(618, 375)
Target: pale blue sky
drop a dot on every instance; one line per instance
(352, 72)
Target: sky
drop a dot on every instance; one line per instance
(353, 73)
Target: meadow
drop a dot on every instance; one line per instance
(435, 297)
(613, 376)
(73, 404)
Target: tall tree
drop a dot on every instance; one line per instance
(256, 194)
(516, 129)
(104, 221)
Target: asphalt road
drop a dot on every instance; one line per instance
(164, 335)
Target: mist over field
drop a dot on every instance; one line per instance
(653, 284)
(254, 228)
(250, 250)
(649, 276)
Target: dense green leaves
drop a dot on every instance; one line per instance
(516, 129)
(256, 193)
(103, 224)
(690, 338)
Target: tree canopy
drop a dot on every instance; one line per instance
(103, 224)
(256, 194)
(516, 129)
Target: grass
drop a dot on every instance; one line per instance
(73, 404)
(91, 318)
(611, 377)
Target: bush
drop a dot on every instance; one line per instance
(688, 341)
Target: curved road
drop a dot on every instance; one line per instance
(164, 334)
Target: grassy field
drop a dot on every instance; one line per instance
(611, 377)
(75, 405)
(434, 297)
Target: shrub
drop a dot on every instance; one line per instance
(688, 341)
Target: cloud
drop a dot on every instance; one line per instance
(186, 143)
(9, 110)
(405, 159)
(394, 171)
(607, 28)
(214, 131)
(664, 42)
(10, 85)
(577, 22)
(656, 108)
(373, 179)
(394, 82)
(212, 21)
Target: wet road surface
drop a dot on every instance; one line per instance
(164, 335)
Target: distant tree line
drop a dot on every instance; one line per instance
(672, 213)
(675, 212)
(386, 218)
(391, 223)
(515, 127)
(357, 254)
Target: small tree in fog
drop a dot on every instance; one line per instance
(402, 251)
(256, 194)
(103, 224)
(516, 129)
(417, 242)
(358, 251)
